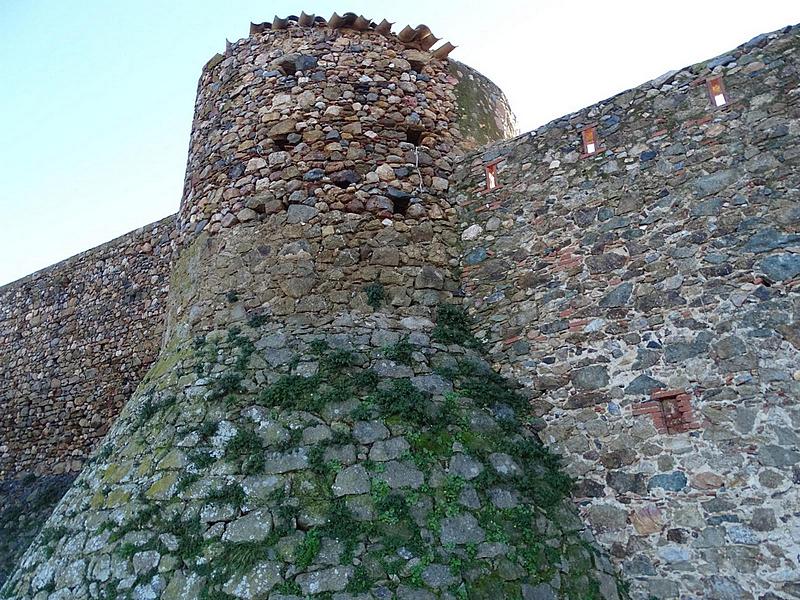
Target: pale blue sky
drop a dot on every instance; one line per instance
(97, 96)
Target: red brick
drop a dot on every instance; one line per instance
(578, 323)
(661, 394)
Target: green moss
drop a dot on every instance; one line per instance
(166, 363)
(392, 507)
(246, 447)
(138, 522)
(226, 384)
(162, 488)
(376, 295)
(207, 430)
(202, 459)
(288, 588)
(228, 494)
(307, 550)
(151, 408)
(242, 557)
(292, 392)
(476, 117)
(400, 352)
(453, 326)
(486, 387)
(50, 536)
(257, 321)
(401, 399)
(491, 587)
(127, 550)
(360, 583)
(186, 481)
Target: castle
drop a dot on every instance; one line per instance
(293, 387)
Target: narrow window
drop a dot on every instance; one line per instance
(589, 136)
(491, 177)
(716, 91)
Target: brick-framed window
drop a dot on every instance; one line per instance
(670, 410)
(491, 172)
(717, 95)
(591, 144)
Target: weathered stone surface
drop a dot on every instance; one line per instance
(462, 465)
(401, 475)
(781, 266)
(618, 297)
(326, 580)
(252, 527)
(714, 182)
(299, 213)
(673, 482)
(461, 529)
(590, 378)
(255, 584)
(606, 517)
(352, 480)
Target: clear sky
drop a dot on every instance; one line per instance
(96, 97)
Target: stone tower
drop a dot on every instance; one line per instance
(320, 419)
(340, 136)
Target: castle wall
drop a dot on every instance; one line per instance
(75, 340)
(647, 296)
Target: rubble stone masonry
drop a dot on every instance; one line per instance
(647, 296)
(635, 266)
(76, 339)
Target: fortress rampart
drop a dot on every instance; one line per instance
(647, 297)
(643, 290)
(76, 339)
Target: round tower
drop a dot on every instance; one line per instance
(320, 153)
(338, 115)
(320, 422)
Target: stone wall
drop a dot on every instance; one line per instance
(75, 340)
(647, 296)
(361, 456)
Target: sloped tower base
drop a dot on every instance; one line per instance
(370, 458)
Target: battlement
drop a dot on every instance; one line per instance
(420, 37)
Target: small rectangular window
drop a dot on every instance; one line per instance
(590, 144)
(716, 91)
(492, 181)
(670, 410)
